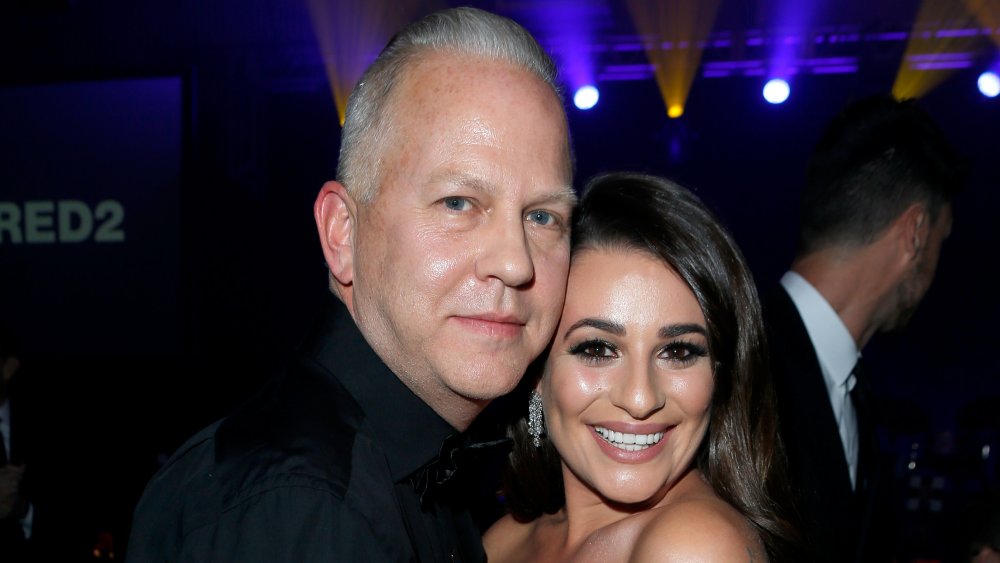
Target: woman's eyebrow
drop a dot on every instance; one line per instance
(599, 324)
(671, 331)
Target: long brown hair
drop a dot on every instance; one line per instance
(741, 456)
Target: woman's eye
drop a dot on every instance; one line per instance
(597, 350)
(541, 217)
(678, 352)
(594, 349)
(684, 353)
(457, 203)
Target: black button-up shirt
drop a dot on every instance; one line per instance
(317, 467)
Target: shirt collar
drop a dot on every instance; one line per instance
(835, 348)
(409, 431)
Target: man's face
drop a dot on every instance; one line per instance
(915, 286)
(460, 262)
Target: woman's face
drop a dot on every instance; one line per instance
(628, 385)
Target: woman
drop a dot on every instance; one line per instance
(651, 434)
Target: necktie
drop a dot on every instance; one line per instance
(861, 397)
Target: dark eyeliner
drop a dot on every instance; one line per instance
(580, 349)
(694, 351)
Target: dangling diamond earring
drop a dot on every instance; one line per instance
(535, 418)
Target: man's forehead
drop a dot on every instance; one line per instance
(443, 73)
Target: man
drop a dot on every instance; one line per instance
(15, 509)
(876, 209)
(446, 239)
(45, 513)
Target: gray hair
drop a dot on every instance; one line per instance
(464, 30)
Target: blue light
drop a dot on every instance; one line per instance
(776, 91)
(989, 84)
(586, 97)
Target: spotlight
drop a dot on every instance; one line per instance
(989, 84)
(776, 91)
(675, 111)
(586, 97)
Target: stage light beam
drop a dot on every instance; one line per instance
(931, 51)
(987, 12)
(351, 33)
(673, 36)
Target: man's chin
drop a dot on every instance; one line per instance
(482, 386)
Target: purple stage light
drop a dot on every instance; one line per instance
(935, 57)
(586, 97)
(943, 65)
(958, 32)
(776, 91)
(605, 77)
(570, 29)
(989, 84)
(835, 69)
(888, 36)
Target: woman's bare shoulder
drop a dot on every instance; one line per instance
(700, 528)
(506, 539)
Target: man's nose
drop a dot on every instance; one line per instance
(506, 253)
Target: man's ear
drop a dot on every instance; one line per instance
(914, 226)
(335, 213)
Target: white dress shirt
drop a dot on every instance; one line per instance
(837, 354)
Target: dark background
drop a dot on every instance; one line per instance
(213, 123)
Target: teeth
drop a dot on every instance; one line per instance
(629, 442)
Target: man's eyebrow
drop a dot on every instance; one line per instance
(463, 179)
(563, 195)
(600, 324)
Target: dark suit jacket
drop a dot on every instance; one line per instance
(61, 529)
(840, 524)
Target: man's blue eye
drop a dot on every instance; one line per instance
(456, 203)
(541, 217)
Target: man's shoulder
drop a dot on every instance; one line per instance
(778, 308)
(301, 428)
(294, 449)
(303, 423)
(788, 339)
(255, 509)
